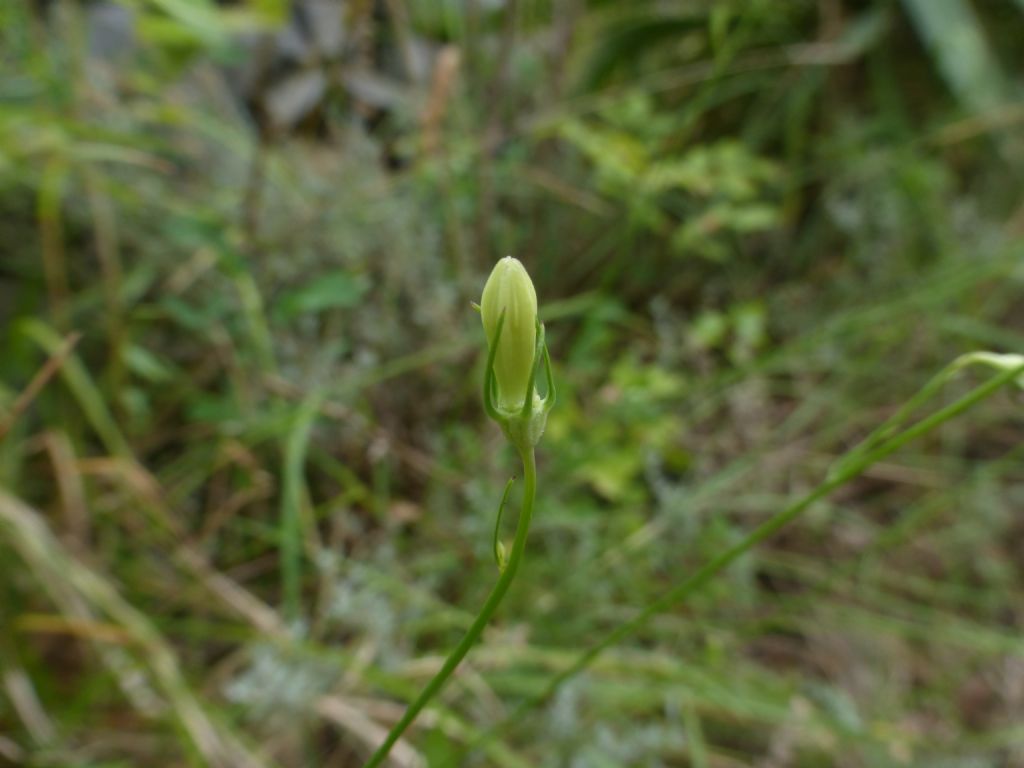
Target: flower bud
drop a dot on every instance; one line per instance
(510, 290)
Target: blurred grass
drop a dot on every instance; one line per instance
(246, 515)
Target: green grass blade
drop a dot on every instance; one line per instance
(954, 36)
(295, 448)
(84, 390)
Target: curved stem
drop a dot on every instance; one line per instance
(473, 633)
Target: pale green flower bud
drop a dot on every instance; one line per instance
(510, 290)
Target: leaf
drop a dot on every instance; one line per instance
(339, 290)
(951, 31)
(147, 365)
(611, 475)
(629, 38)
(296, 445)
(82, 386)
(185, 20)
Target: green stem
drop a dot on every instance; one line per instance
(702, 576)
(473, 633)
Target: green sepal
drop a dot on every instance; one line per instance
(490, 386)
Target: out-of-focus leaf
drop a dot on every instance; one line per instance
(864, 32)
(339, 290)
(190, 317)
(146, 364)
(618, 157)
(709, 329)
(290, 100)
(198, 19)
(82, 386)
(375, 90)
(954, 36)
(327, 22)
(631, 37)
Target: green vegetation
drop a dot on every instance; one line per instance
(247, 483)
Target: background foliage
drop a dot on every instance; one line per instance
(251, 507)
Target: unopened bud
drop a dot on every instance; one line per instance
(510, 290)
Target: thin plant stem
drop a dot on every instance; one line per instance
(847, 471)
(473, 633)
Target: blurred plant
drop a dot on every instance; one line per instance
(217, 269)
(697, 199)
(516, 350)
